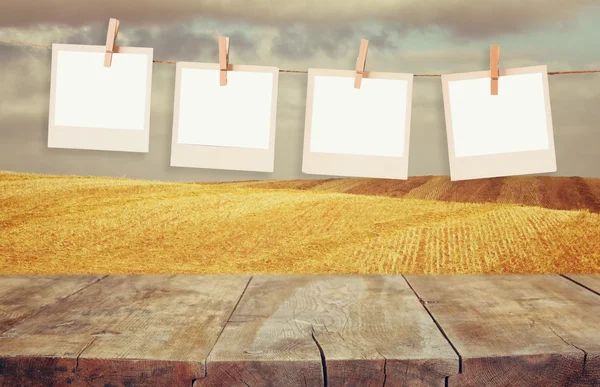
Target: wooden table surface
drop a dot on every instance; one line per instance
(184, 330)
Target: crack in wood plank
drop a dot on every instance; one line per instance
(82, 289)
(322, 353)
(385, 369)
(80, 352)
(566, 342)
(349, 320)
(330, 330)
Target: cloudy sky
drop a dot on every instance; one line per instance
(437, 36)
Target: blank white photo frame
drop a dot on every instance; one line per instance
(224, 127)
(361, 132)
(97, 107)
(499, 135)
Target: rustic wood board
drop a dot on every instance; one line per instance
(368, 330)
(22, 296)
(123, 330)
(590, 281)
(516, 330)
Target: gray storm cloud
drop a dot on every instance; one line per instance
(295, 34)
(464, 18)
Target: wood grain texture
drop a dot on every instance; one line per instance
(22, 296)
(351, 330)
(516, 330)
(123, 330)
(590, 282)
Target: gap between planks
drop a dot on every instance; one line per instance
(593, 285)
(222, 329)
(272, 305)
(423, 302)
(141, 288)
(241, 296)
(568, 277)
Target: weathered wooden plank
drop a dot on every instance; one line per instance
(353, 330)
(592, 366)
(530, 330)
(590, 281)
(22, 296)
(123, 330)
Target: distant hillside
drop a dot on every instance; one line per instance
(68, 225)
(560, 193)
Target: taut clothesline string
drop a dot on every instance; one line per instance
(13, 42)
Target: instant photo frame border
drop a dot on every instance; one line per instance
(384, 167)
(223, 157)
(505, 164)
(104, 139)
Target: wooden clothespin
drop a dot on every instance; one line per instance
(223, 58)
(111, 39)
(360, 63)
(494, 72)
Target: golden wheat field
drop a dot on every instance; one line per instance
(76, 225)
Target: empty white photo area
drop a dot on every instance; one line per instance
(499, 135)
(97, 107)
(357, 132)
(225, 127)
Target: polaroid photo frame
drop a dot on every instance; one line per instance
(354, 132)
(96, 107)
(228, 127)
(499, 135)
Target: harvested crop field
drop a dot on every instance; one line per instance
(77, 225)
